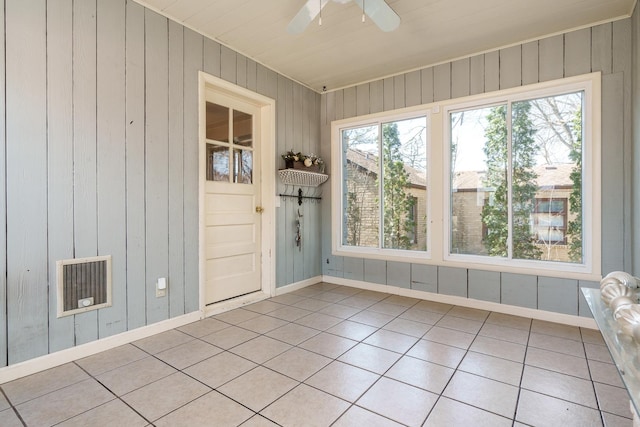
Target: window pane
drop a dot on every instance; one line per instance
(547, 178)
(404, 184)
(479, 196)
(217, 122)
(242, 166)
(556, 206)
(242, 129)
(520, 198)
(217, 163)
(360, 148)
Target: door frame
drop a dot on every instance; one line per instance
(267, 107)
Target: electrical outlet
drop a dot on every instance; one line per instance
(161, 287)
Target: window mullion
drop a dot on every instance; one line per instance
(509, 183)
(232, 159)
(380, 188)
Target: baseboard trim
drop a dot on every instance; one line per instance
(31, 366)
(549, 316)
(298, 285)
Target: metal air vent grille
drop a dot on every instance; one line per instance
(83, 284)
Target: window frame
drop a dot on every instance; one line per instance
(590, 267)
(337, 206)
(438, 184)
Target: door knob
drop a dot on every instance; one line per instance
(259, 209)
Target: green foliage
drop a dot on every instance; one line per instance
(574, 228)
(398, 203)
(495, 212)
(523, 187)
(354, 219)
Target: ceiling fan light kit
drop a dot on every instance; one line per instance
(378, 10)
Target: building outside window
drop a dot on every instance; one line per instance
(384, 185)
(516, 179)
(550, 221)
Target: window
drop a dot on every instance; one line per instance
(384, 183)
(516, 179)
(507, 181)
(229, 147)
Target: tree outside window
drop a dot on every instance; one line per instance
(384, 185)
(505, 159)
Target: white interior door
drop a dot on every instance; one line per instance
(232, 198)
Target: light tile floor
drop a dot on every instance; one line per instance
(329, 355)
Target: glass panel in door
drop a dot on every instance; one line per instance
(242, 166)
(217, 122)
(242, 129)
(217, 163)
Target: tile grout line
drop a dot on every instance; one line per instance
(524, 360)
(316, 296)
(13, 407)
(457, 369)
(110, 391)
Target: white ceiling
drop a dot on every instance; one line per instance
(344, 51)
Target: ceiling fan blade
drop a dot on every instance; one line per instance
(303, 18)
(380, 13)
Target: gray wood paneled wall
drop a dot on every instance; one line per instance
(99, 152)
(606, 48)
(635, 48)
(98, 145)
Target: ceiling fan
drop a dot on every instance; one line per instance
(378, 10)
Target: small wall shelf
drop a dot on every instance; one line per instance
(303, 178)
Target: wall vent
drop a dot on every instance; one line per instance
(84, 284)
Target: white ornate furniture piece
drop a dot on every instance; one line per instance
(616, 311)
